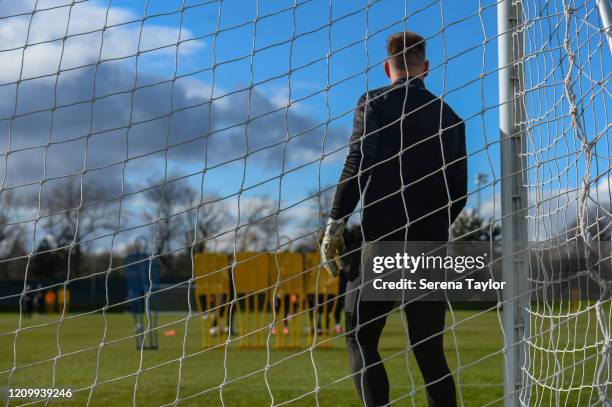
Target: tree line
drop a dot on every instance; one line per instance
(76, 229)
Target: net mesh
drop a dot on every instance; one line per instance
(136, 138)
(568, 191)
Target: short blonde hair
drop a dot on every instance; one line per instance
(405, 49)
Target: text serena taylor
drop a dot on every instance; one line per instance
(424, 284)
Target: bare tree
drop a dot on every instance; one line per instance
(173, 206)
(182, 218)
(169, 207)
(76, 213)
(212, 217)
(322, 202)
(259, 220)
(10, 229)
(471, 226)
(11, 236)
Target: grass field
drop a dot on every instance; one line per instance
(291, 375)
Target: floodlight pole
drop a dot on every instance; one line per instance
(515, 319)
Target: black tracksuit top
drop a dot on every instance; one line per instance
(403, 126)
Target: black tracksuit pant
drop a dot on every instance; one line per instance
(365, 321)
(425, 324)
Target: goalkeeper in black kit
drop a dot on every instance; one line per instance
(407, 164)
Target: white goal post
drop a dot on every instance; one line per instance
(525, 337)
(514, 197)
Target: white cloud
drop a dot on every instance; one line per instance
(553, 212)
(82, 46)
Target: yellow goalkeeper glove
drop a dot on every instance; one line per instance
(332, 245)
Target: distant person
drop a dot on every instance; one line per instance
(63, 299)
(403, 136)
(28, 301)
(340, 302)
(50, 301)
(39, 301)
(350, 263)
(220, 304)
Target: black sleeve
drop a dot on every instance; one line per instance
(455, 157)
(364, 138)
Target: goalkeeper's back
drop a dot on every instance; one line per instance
(407, 156)
(403, 126)
(429, 136)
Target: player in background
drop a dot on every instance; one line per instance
(349, 263)
(407, 164)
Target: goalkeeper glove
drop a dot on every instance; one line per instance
(332, 245)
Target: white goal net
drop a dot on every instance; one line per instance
(167, 169)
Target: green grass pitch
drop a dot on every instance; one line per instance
(475, 344)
